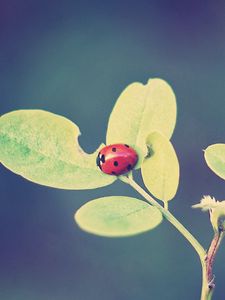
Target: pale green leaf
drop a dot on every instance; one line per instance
(160, 170)
(43, 147)
(142, 109)
(215, 159)
(117, 216)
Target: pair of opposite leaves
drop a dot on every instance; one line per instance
(43, 147)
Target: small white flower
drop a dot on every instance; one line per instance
(216, 210)
(207, 203)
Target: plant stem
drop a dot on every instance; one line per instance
(204, 292)
(166, 206)
(189, 237)
(214, 246)
(209, 260)
(180, 227)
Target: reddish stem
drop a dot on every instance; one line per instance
(211, 253)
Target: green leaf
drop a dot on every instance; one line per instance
(142, 109)
(215, 159)
(160, 170)
(117, 216)
(43, 147)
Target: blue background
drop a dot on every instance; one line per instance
(74, 58)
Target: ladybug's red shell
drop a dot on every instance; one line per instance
(117, 159)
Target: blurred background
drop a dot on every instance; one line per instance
(74, 58)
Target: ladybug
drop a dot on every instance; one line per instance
(116, 159)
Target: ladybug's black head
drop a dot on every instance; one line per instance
(98, 159)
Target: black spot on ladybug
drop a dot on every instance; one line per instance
(113, 149)
(129, 167)
(113, 173)
(103, 158)
(126, 145)
(115, 163)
